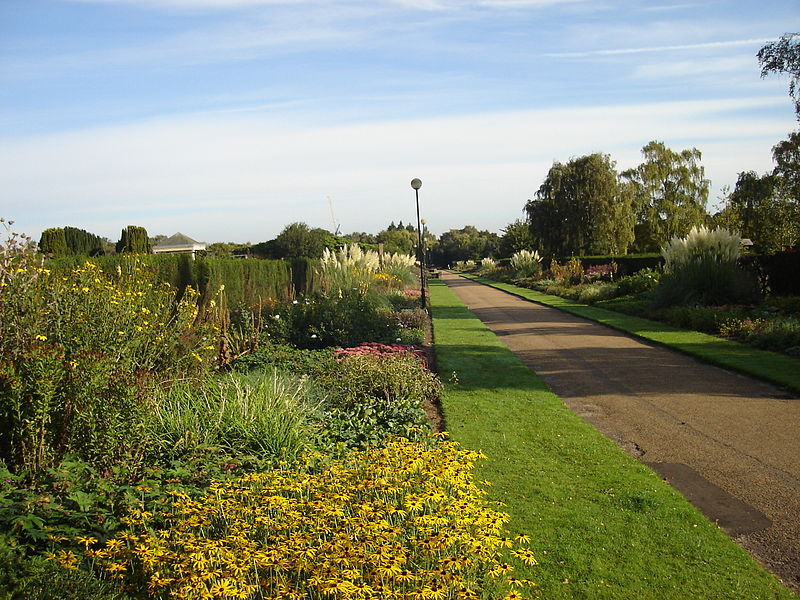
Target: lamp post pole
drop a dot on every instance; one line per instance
(416, 184)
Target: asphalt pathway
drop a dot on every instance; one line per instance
(729, 443)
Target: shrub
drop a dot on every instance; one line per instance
(343, 319)
(603, 272)
(640, 282)
(778, 334)
(379, 350)
(597, 291)
(402, 520)
(701, 269)
(369, 397)
(570, 273)
(699, 318)
(79, 351)
(526, 263)
(286, 358)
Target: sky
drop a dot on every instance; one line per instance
(227, 120)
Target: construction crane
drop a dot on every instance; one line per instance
(333, 217)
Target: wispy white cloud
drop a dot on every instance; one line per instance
(249, 175)
(691, 68)
(647, 49)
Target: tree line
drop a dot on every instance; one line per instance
(585, 207)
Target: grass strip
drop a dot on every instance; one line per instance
(769, 366)
(603, 525)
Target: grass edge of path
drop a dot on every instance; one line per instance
(603, 524)
(768, 366)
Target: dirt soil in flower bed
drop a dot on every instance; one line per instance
(727, 442)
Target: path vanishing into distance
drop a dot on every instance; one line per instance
(729, 443)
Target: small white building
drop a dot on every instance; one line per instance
(179, 244)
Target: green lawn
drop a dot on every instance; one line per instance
(603, 525)
(762, 364)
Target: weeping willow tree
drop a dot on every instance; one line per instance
(581, 208)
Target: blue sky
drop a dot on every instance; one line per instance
(228, 119)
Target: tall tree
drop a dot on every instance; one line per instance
(298, 240)
(757, 211)
(783, 56)
(581, 208)
(53, 242)
(516, 236)
(82, 242)
(467, 243)
(398, 240)
(133, 239)
(669, 191)
(787, 166)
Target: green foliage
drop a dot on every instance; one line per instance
(133, 240)
(595, 292)
(323, 320)
(783, 56)
(399, 241)
(251, 282)
(758, 210)
(581, 208)
(39, 579)
(82, 242)
(467, 243)
(297, 240)
(777, 334)
(285, 358)
(640, 282)
(669, 194)
(53, 242)
(787, 169)
(516, 236)
(264, 414)
(370, 397)
(79, 350)
(570, 273)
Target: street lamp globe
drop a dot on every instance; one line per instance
(416, 183)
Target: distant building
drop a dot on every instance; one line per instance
(179, 244)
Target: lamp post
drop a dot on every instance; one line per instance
(416, 184)
(425, 247)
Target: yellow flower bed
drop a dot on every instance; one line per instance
(404, 520)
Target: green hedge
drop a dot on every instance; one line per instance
(250, 281)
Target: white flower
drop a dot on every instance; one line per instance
(313, 336)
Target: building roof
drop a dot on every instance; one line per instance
(178, 241)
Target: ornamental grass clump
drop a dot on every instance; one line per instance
(526, 263)
(351, 268)
(402, 520)
(265, 414)
(701, 269)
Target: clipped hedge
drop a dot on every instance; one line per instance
(251, 282)
(777, 272)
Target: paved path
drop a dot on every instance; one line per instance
(729, 443)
